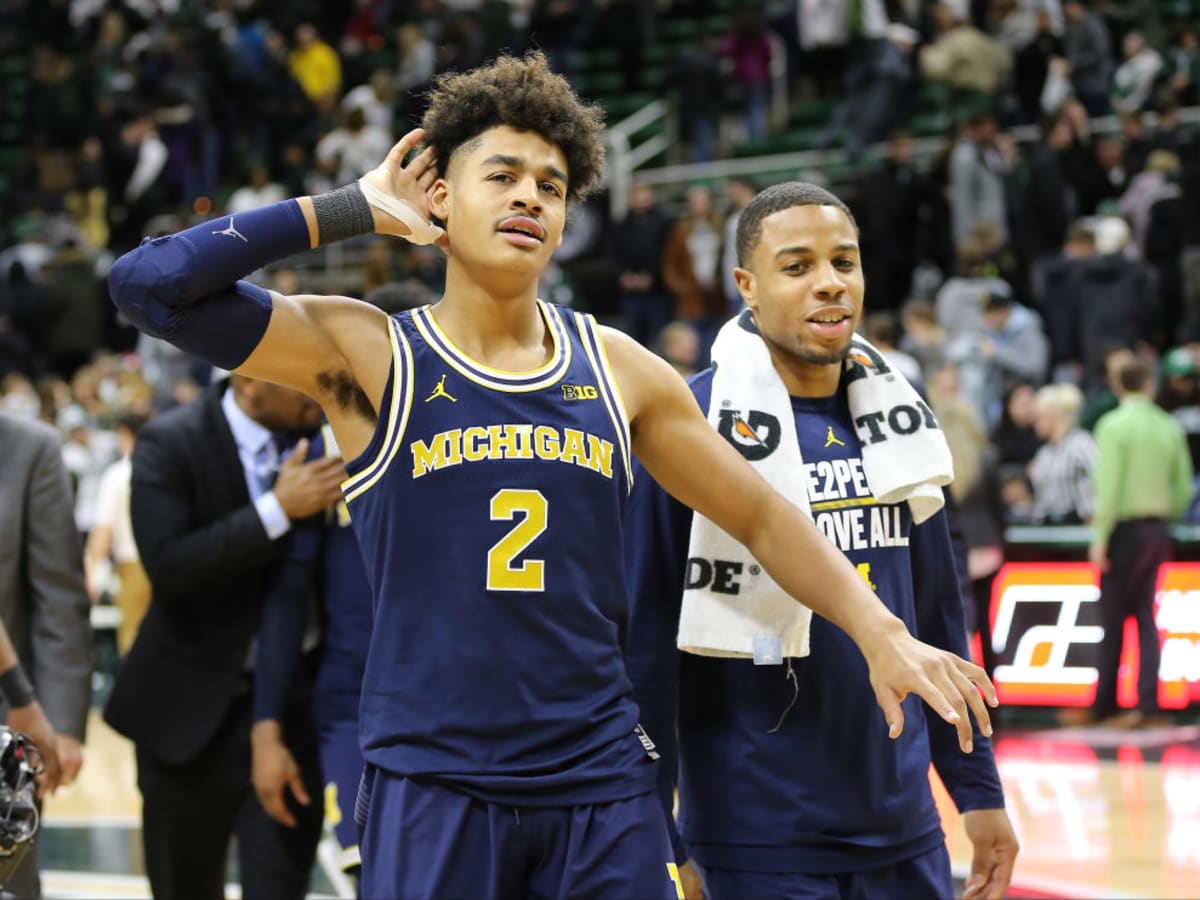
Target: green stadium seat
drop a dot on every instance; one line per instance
(654, 76)
(812, 112)
(717, 25)
(930, 124)
(681, 29)
(12, 158)
(660, 53)
(600, 58)
(620, 106)
(599, 84)
(759, 147)
(1177, 8)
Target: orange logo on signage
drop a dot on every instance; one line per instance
(1056, 595)
(1045, 627)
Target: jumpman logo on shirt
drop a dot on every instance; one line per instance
(232, 232)
(831, 439)
(440, 391)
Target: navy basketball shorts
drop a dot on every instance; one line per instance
(927, 875)
(425, 840)
(342, 764)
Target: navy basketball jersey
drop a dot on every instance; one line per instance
(488, 509)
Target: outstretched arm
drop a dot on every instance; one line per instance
(694, 464)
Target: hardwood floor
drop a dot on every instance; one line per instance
(1098, 813)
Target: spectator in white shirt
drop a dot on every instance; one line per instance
(352, 149)
(375, 99)
(261, 191)
(1134, 80)
(86, 453)
(111, 540)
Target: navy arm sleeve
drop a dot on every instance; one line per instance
(958, 544)
(971, 778)
(656, 538)
(185, 287)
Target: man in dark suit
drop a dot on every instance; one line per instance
(43, 603)
(208, 514)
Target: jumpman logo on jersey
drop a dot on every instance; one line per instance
(831, 439)
(232, 232)
(440, 391)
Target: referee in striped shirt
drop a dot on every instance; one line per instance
(1143, 479)
(1061, 471)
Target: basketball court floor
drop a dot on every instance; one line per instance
(1098, 813)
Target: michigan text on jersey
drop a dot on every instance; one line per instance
(520, 441)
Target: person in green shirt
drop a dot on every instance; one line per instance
(1143, 479)
(1105, 401)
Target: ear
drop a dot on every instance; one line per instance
(746, 286)
(439, 199)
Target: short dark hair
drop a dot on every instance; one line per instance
(774, 199)
(1080, 232)
(131, 420)
(522, 94)
(1134, 376)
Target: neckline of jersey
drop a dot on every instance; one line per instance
(455, 356)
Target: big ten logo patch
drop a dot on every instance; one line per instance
(1177, 614)
(580, 392)
(755, 434)
(1045, 628)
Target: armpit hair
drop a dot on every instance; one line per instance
(340, 385)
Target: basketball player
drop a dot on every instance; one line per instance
(828, 807)
(490, 440)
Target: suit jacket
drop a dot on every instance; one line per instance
(43, 602)
(208, 558)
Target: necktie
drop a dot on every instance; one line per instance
(277, 450)
(269, 457)
(266, 465)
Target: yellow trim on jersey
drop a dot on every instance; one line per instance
(822, 505)
(499, 379)
(588, 332)
(397, 421)
(608, 370)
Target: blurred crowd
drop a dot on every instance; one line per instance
(1008, 278)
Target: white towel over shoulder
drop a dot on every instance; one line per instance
(734, 608)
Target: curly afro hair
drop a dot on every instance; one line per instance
(522, 94)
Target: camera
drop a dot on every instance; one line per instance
(19, 816)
